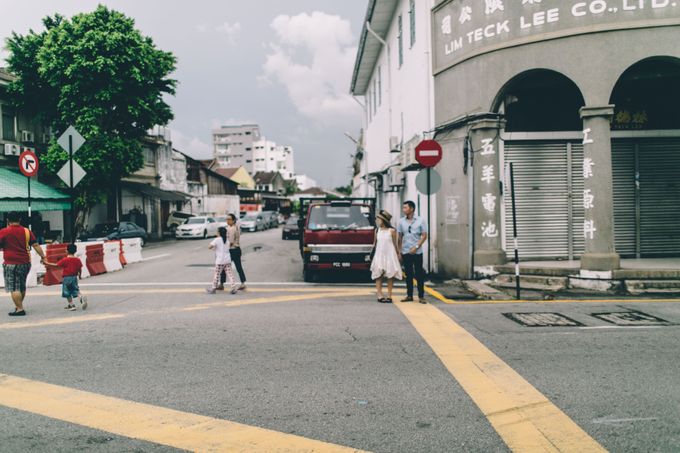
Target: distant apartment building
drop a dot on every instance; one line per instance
(270, 157)
(233, 145)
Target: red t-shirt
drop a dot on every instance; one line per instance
(71, 266)
(14, 246)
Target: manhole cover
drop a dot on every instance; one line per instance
(631, 318)
(542, 319)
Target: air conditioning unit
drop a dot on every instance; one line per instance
(396, 177)
(12, 150)
(27, 136)
(395, 145)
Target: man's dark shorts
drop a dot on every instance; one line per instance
(15, 277)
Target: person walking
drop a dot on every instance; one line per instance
(385, 263)
(234, 235)
(72, 271)
(222, 261)
(16, 243)
(412, 232)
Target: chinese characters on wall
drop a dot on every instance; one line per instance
(488, 199)
(589, 227)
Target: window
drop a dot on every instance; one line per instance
(149, 157)
(400, 39)
(8, 130)
(249, 149)
(379, 85)
(412, 20)
(375, 95)
(248, 133)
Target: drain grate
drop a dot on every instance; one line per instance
(631, 318)
(542, 320)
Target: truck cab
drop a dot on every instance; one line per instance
(336, 235)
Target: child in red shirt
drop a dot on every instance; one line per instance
(72, 267)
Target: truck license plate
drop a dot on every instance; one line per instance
(342, 265)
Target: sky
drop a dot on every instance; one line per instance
(285, 65)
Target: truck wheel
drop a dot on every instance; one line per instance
(308, 276)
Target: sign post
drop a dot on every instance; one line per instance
(428, 154)
(28, 165)
(71, 173)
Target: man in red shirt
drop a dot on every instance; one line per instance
(16, 242)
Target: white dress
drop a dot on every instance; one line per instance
(385, 261)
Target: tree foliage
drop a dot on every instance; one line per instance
(99, 73)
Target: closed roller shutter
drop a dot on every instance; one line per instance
(623, 173)
(659, 163)
(578, 213)
(541, 189)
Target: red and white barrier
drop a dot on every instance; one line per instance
(132, 250)
(112, 256)
(94, 252)
(82, 254)
(2, 274)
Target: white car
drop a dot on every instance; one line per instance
(197, 227)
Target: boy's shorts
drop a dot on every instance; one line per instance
(69, 287)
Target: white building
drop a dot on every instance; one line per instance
(270, 157)
(393, 76)
(304, 182)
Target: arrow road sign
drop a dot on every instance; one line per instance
(28, 163)
(77, 140)
(65, 174)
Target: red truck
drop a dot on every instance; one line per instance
(336, 235)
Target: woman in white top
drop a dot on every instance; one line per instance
(222, 261)
(386, 263)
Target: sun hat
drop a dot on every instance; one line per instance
(385, 217)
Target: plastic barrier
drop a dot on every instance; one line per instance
(132, 249)
(82, 254)
(112, 256)
(37, 268)
(2, 274)
(54, 253)
(95, 258)
(121, 254)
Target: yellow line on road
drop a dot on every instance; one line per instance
(524, 418)
(268, 300)
(115, 292)
(437, 295)
(234, 302)
(60, 321)
(149, 423)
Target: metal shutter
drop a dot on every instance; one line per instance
(659, 163)
(541, 189)
(578, 213)
(623, 172)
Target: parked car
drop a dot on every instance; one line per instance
(281, 218)
(271, 219)
(253, 221)
(197, 227)
(176, 219)
(291, 229)
(115, 231)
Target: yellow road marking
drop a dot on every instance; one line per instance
(524, 418)
(60, 321)
(149, 423)
(437, 295)
(267, 300)
(114, 292)
(224, 303)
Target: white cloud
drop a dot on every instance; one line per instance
(192, 146)
(313, 57)
(229, 30)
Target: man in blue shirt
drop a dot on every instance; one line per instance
(412, 232)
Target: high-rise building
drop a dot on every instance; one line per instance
(270, 157)
(233, 145)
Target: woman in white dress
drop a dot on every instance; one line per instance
(386, 263)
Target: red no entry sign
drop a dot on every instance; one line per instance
(28, 163)
(428, 153)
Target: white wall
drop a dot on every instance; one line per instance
(222, 204)
(407, 92)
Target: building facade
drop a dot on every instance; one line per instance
(233, 145)
(393, 78)
(580, 97)
(270, 157)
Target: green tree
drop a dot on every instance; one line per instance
(97, 72)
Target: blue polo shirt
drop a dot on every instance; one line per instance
(411, 231)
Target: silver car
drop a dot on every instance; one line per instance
(253, 221)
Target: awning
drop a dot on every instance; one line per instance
(14, 194)
(154, 192)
